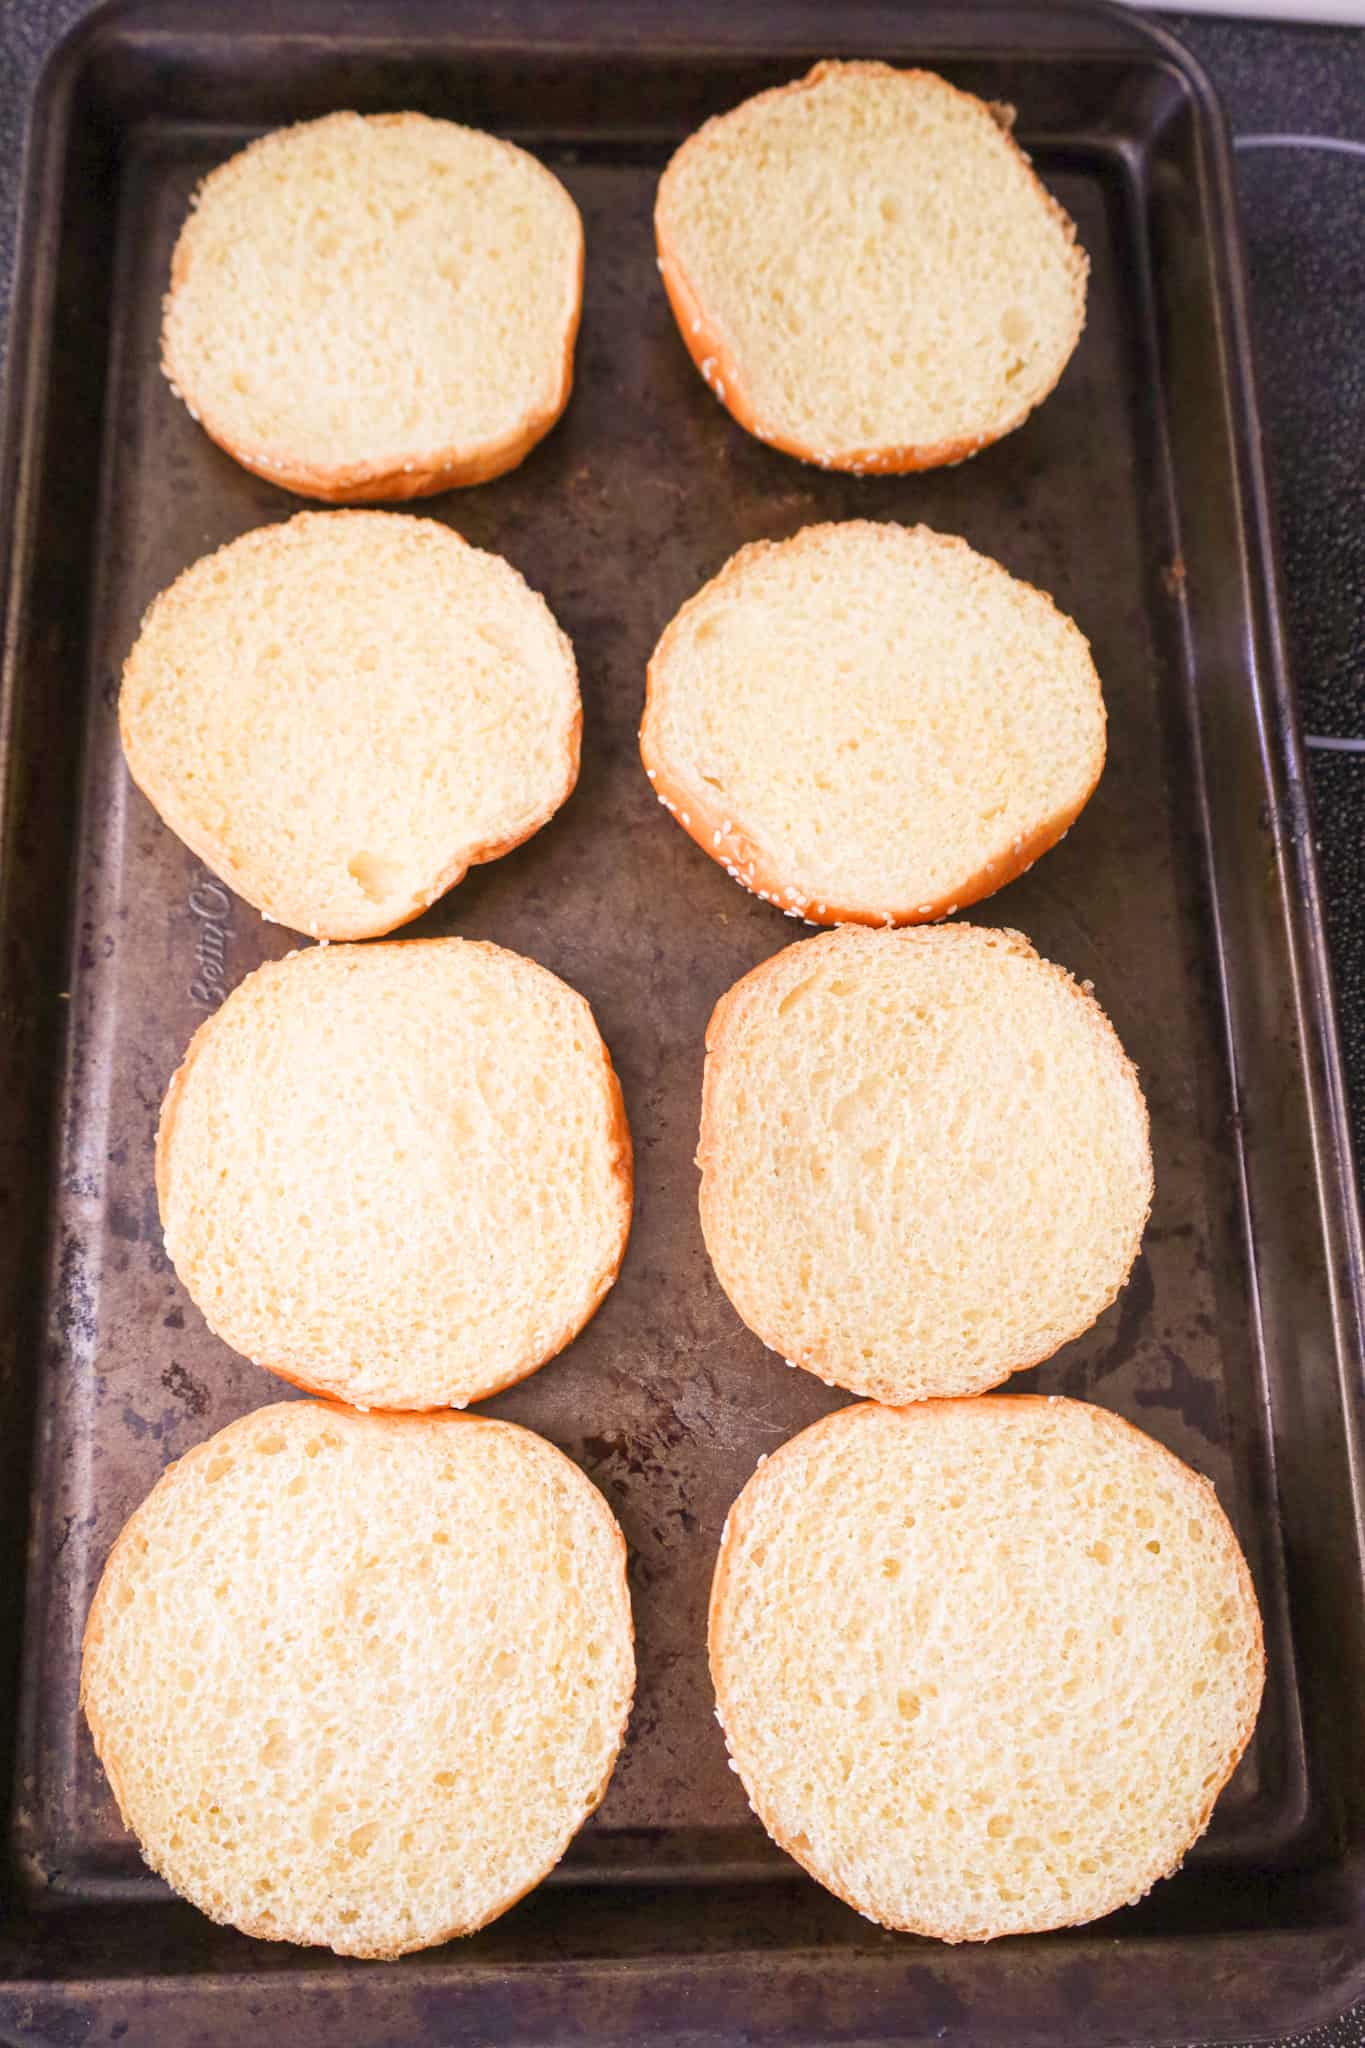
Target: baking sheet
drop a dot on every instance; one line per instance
(1120, 497)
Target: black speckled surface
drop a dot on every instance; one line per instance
(1307, 271)
(1302, 210)
(1309, 296)
(1307, 263)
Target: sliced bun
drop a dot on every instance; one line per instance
(374, 307)
(924, 1158)
(872, 723)
(866, 270)
(341, 715)
(398, 1174)
(983, 1666)
(357, 1680)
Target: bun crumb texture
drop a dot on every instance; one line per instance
(866, 270)
(374, 307)
(924, 1157)
(983, 1666)
(341, 715)
(357, 1680)
(400, 1175)
(872, 724)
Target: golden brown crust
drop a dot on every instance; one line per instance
(262, 1929)
(165, 795)
(710, 349)
(622, 1168)
(418, 473)
(712, 1212)
(710, 819)
(421, 475)
(925, 1412)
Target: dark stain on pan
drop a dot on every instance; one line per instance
(178, 1380)
(1193, 1399)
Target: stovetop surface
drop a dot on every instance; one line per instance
(1302, 208)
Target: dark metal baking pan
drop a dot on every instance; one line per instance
(1186, 893)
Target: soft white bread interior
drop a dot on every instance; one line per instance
(373, 307)
(342, 714)
(924, 1158)
(983, 1666)
(872, 723)
(866, 270)
(357, 1680)
(397, 1174)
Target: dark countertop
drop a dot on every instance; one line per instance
(1308, 300)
